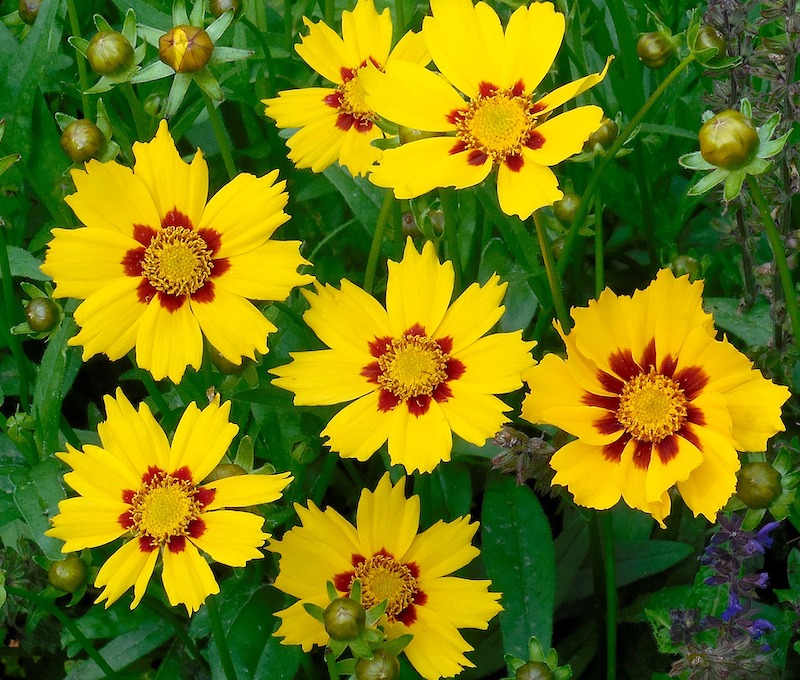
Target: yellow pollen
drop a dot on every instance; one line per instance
(412, 366)
(164, 507)
(177, 261)
(383, 578)
(353, 98)
(498, 124)
(652, 407)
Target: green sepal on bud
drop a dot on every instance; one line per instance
(709, 43)
(685, 264)
(655, 49)
(225, 470)
(109, 53)
(758, 485)
(541, 664)
(344, 619)
(565, 208)
(82, 140)
(382, 666)
(604, 136)
(534, 670)
(28, 10)
(729, 140)
(185, 49)
(69, 574)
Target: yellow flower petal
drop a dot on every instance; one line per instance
(357, 153)
(87, 523)
(527, 189)
(324, 51)
(579, 466)
(495, 363)
(432, 283)
(298, 627)
(98, 474)
(201, 439)
(533, 38)
(411, 47)
(419, 442)
(473, 313)
(359, 429)
(571, 90)
(437, 649)
(187, 578)
(296, 108)
(128, 566)
(463, 602)
(231, 537)
(317, 145)
(473, 416)
(168, 342)
(244, 490)
(386, 519)
(268, 272)
(564, 135)
(443, 548)
(325, 376)
(366, 34)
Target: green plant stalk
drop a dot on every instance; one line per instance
(287, 24)
(773, 236)
(259, 36)
(83, 74)
(377, 240)
(553, 277)
(69, 624)
(7, 321)
(447, 197)
(219, 133)
(610, 572)
(330, 12)
(217, 631)
(139, 116)
(400, 13)
(330, 662)
(583, 206)
(599, 261)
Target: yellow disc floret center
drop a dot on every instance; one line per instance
(498, 124)
(412, 366)
(164, 507)
(652, 407)
(177, 261)
(383, 578)
(353, 98)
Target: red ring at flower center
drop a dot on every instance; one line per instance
(349, 100)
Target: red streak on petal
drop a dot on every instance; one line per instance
(648, 356)
(454, 369)
(374, 61)
(688, 433)
(175, 218)
(419, 405)
(384, 552)
(413, 567)
(519, 88)
(333, 100)
(408, 615)
(442, 392)
(172, 303)
(623, 365)
(132, 262)
(420, 598)
(535, 140)
(143, 234)
(127, 496)
(379, 346)
(146, 544)
(219, 267)
(455, 115)
(476, 157)
(145, 292)
(487, 89)
(445, 344)
(695, 415)
(197, 527)
(514, 162)
(458, 147)
(342, 581)
(363, 124)
(125, 520)
(152, 471)
(538, 106)
(387, 401)
(183, 473)
(415, 331)
(344, 121)
(356, 559)
(692, 380)
(372, 372)
(613, 452)
(641, 454)
(610, 382)
(607, 424)
(204, 496)
(177, 544)
(667, 448)
(212, 238)
(601, 401)
(347, 73)
(206, 293)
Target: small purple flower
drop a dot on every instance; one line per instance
(734, 608)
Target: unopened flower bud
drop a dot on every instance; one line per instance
(109, 53)
(28, 10)
(344, 619)
(683, 264)
(436, 218)
(604, 135)
(304, 453)
(708, 37)
(154, 105)
(219, 7)
(186, 49)
(729, 140)
(41, 314)
(534, 670)
(655, 49)
(565, 209)
(82, 140)
(223, 471)
(68, 574)
(382, 666)
(758, 485)
(407, 134)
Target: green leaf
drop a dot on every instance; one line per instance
(765, 131)
(7, 161)
(733, 183)
(363, 197)
(519, 556)
(708, 182)
(752, 325)
(25, 265)
(793, 569)
(695, 161)
(770, 148)
(37, 493)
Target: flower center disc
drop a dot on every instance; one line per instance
(164, 507)
(412, 366)
(652, 407)
(499, 125)
(353, 98)
(382, 578)
(177, 261)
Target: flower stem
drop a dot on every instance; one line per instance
(553, 277)
(7, 321)
(599, 262)
(333, 672)
(83, 75)
(610, 571)
(447, 197)
(219, 133)
(69, 624)
(377, 240)
(139, 116)
(779, 254)
(215, 622)
(583, 206)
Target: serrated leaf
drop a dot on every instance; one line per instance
(520, 560)
(752, 325)
(37, 493)
(25, 265)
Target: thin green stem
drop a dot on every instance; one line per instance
(553, 278)
(447, 197)
(583, 206)
(69, 624)
(775, 242)
(610, 570)
(287, 24)
(139, 116)
(330, 662)
(599, 261)
(217, 631)
(7, 320)
(330, 12)
(83, 75)
(400, 13)
(259, 36)
(219, 133)
(377, 241)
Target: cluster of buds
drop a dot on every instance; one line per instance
(526, 457)
(541, 664)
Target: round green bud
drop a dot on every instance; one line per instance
(186, 49)
(605, 135)
(684, 264)
(82, 140)
(109, 53)
(565, 209)
(68, 574)
(655, 49)
(225, 470)
(41, 314)
(382, 666)
(154, 105)
(436, 218)
(758, 485)
(219, 7)
(534, 670)
(28, 10)
(729, 140)
(344, 619)
(708, 37)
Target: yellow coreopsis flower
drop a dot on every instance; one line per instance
(655, 401)
(138, 485)
(502, 123)
(159, 267)
(392, 562)
(336, 125)
(418, 370)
